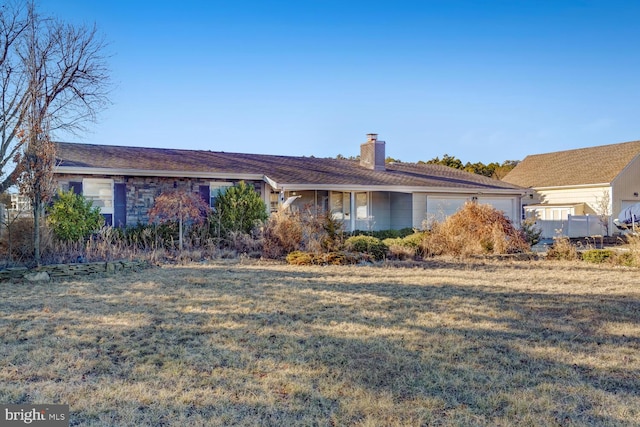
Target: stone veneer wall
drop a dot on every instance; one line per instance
(142, 191)
(48, 272)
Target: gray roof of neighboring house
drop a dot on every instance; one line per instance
(281, 169)
(592, 165)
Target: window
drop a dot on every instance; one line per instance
(100, 192)
(20, 203)
(217, 188)
(362, 205)
(274, 201)
(560, 214)
(340, 205)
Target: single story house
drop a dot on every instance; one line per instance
(366, 194)
(574, 189)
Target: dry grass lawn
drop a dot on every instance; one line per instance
(231, 343)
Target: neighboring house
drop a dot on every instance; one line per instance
(574, 188)
(366, 194)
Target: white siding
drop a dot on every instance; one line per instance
(419, 209)
(625, 185)
(381, 210)
(569, 196)
(401, 210)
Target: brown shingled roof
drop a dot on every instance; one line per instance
(593, 165)
(282, 169)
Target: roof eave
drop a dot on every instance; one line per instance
(79, 170)
(401, 189)
(568, 187)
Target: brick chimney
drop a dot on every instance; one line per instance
(372, 153)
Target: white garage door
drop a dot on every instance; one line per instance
(438, 208)
(506, 205)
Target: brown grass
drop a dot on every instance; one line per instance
(231, 343)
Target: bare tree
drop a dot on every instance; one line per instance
(66, 63)
(603, 208)
(59, 82)
(180, 206)
(13, 83)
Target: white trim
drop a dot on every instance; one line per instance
(272, 183)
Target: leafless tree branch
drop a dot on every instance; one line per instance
(50, 72)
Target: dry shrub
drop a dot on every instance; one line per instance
(633, 242)
(399, 251)
(244, 243)
(299, 258)
(310, 230)
(562, 249)
(631, 257)
(16, 244)
(64, 252)
(111, 243)
(106, 245)
(282, 234)
(17, 240)
(188, 256)
(475, 229)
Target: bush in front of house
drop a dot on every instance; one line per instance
(598, 256)
(282, 234)
(328, 258)
(368, 245)
(386, 234)
(178, 206)
(308, 231)
(300, 258)
(531, 231)
(407, 247)
(238, 209)
(72, 217)
(563, 250)
(475, 229)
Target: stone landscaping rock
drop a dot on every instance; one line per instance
(38, 276)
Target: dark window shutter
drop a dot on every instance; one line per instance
(205, 193)
(76, 187)
(108, 219)
(120, 205)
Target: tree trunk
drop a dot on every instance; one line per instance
(36, 230)
(180, 225)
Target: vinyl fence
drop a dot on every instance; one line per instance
(573, 226)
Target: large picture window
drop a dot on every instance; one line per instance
(216, 189)
(100, 192)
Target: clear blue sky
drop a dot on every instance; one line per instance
(480, 80)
